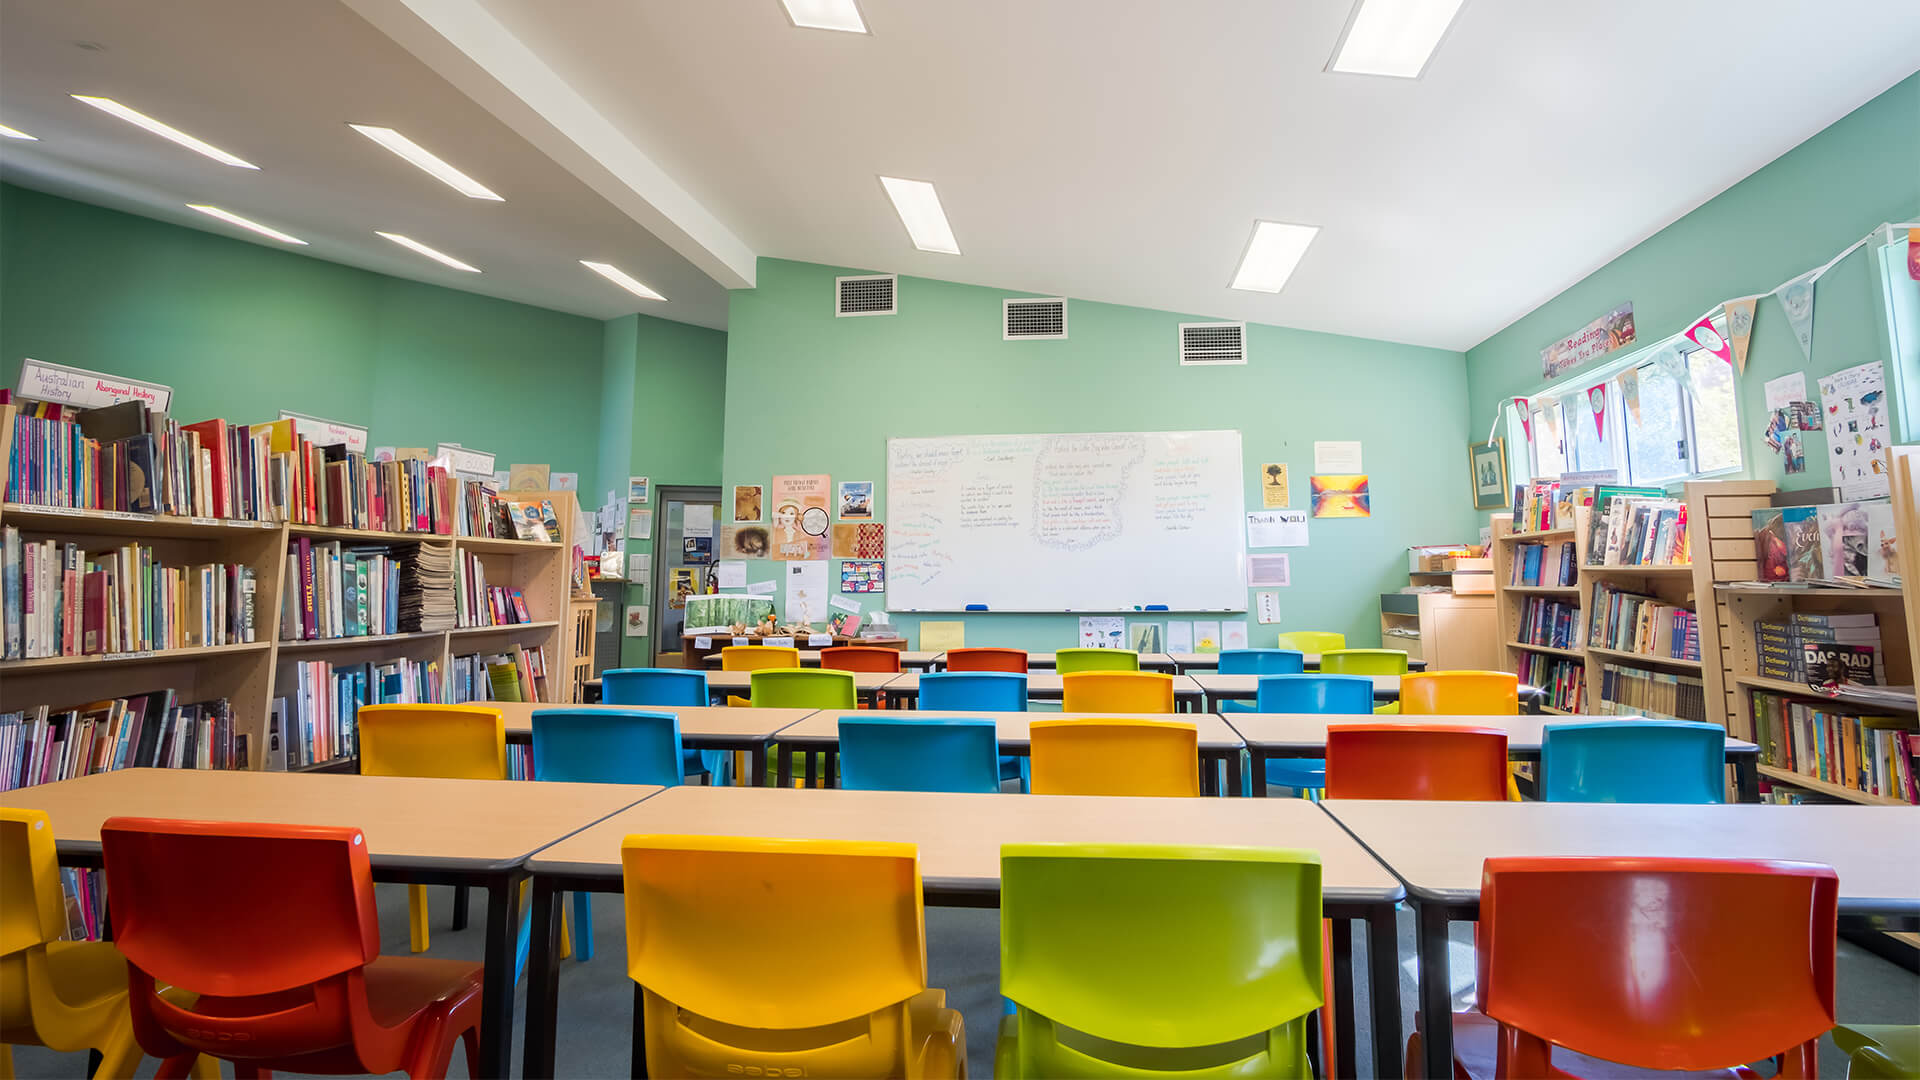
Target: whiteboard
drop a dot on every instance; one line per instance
(1090, 522)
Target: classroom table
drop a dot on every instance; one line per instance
(419, 831)
(1189, 663)
(1149, 661)
(959, 839)
(866, 684)
(1219, 688)
(910, 659)
(1437, 850)
(1295, 735)
(709, 727)
(1041, 686)
(1219, 743)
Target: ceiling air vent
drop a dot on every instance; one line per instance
(1213, 343)
(870, 294)
(1026, 320)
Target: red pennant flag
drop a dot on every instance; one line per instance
(1704, 335)
(1597, 398)
(1526, 417)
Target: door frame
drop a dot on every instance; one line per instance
(657, 573)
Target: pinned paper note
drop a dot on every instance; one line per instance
(1273, 485)
(640, 525)
(699, 520)
(1179, 637)
(1267, 607)
(1276, 528)
(1269, 570)
(636, 620)
(1336, 457)
(761, 588)
(851, 607)
(806, 590)
(636, 489)
(731, 574)
(639, 565)
(1206, 636)
(1145, 637)
(940, 636)
(1103, 632)
(1233, 635)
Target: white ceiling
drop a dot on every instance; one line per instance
(1113, 150)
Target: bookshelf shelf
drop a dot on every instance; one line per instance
(1545, 590)
(306, 644)
(1543, 534)
(1802, 780)
(48, 519)
(495, 543)
(1756, 588)
(1551, 711)
(503, 628)
(1666, 661)
(366, 536)
(1844, 697)
(1650, 568)
(1548, 649)
(339, 764)
(149, 656)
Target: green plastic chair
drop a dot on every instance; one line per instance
(1068, 661)
(1880, 1051)
(1313, 641)
(1149, 960)
(1365, 662)
(800, 688)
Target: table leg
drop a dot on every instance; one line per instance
(496, 997)
(639, 1061)
(1436, 990)
(1341, 994)
(785, 753)
(543, 980)
(1259, 773)
(1746, 777)
(757, 762)
(1233, 773)
(812, 768)
(459, 907)
(1383, 989)
(830, 770)
(1209, 774)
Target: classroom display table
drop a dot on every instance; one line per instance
(695, 648)
(1194, 663)
(1041, 686)
(1149, 661)
(910, 659)
(1437, 849)
(712, 727)
(1296, 735)
(419, 831)
(1219, 743)
(1219, 688)
(866, 684)
(959, 839)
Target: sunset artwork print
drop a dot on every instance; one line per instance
(1341, 496)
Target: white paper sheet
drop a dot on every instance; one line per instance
(703, 643)
(1233, 635)
(1857, 419)
(1206, 636)
(845, 603)
(1267, 605)
(819, 641)
(1269, 570)
(638, 564)
(761, 588)
(640, 524)
(1336, 458)
(637, 620)
(699, 520)
(731, 573)
(1103, 631)
(1179, 637)
(1786, 390)
(1276, 528)
(807, 593)
(778, 642)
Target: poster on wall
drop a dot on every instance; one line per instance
(744, 541)
(806, 590)
(1597, 338)
(1341, 496)
(856, 500)
(636, 489)
(1273, 486)
(863, 576)
(1854, 404)
(1103, 631)
(748, 499)
(800, 516)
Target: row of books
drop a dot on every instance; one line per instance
(1543, 564)
(517, 675)
(318, 721)
(1632, 691)
(338, 590)
(1538, 507)
(480, 604)
(1845, 542)
(60, 600)
(1553, 623)
(1630, 530)
(1871, 754)
(1637, 623)
(1807, 646)
(151, 730)
(1563, 679)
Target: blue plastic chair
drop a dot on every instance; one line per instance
(1258, 662)
(662, 687)
(1633, 761)
(884, 754)
(1347, 695)
(987, 691)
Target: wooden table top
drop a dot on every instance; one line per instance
(1248, 686)
(1437, 847)
(416, 822)
(959, 836)
(1308, 731)
(1211, 660)
(912, 658)
(1011, 727)
(1149, 661)
(710, 722)
(1043, 685)
(739, 682)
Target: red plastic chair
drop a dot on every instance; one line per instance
(1679, 964)
(274, 927)
(1416, 761)
(860, 658)
(987, 659)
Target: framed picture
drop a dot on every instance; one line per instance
(1487, 461)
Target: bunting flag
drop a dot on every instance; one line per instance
(1597, 401)
(1630, 393)
(1526, 417)
(1669, 363)
(1740, 327)
(1913, 254)
(1704, 335)
(1796, 299)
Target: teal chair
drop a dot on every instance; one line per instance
(665, 688)
(1633, 761)
(1068, 661)
(887, 754)
(986, 691)
(1344, 695)
(800, 688)
(1258, 662)
(604, 746)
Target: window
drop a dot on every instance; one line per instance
(1902, 295)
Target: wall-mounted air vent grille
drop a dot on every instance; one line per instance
(872, 294)
(1213, 343)
(1025, 320)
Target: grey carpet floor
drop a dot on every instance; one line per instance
(963, 956)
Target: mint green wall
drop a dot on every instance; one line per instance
(241, 331)
(811, 393)
(1787, 218)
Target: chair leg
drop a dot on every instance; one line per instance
(205, 1067)
(470, 1039)
(251, 1072)
(583, 926)
(417, 917)
(6, 1062)
(566, 936)
(119, 1051)
(180, 1066)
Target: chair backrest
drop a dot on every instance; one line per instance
(802, 688)
(1633, 761)
(654, 686)
(1461, 693)
(1116, 691)
(1159, 945)
(887, 754)
(1416, 761)
(1070, 660)
(1115, 757)
(1363, 662)
(1262, 662)
(1313, 641)
(193, 901)
(460, 742)
(987, 659)
(758, 657)
(1348, 694)
(607, 746)
(701, 909)
(32, 910)
(1679, 963)
(860, 658)
(987, 691)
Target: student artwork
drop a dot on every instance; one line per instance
(800, 517)
(1206, 637)
(1273, 486)
(871, 541)
(745, 541)
(1145, 637)
(1521, 407)
(1103, 631)
(564, 481)
(748, 500)
(1855, 404)
(1913, 254)
(1341, 496)
(527, 477)
(636, 489)
(856, 500)
(636, 620)
(682, 582)
(1487, 461)
(863, 576)
(1740, 327)
(846, 541)
(806, 590)
(1267, 606)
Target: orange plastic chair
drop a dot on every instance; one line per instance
(700, 911)
(1460, 693)
(1679, 964)
(1416, 761)
(756, 658)
(274, 926)
(458, 742)
(860, 658)
(987, 659)
(1116, 692)
(1115, 757)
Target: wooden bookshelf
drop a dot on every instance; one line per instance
(1801, 780)
(1510, 601)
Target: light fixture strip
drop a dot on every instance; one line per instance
(232, 218)
(165, 131)
(919, 208)
(826, 15)
(1395, 38)
(16, 133)
(411, 244)
(424, 160)
(622, 278)
(1272, 254)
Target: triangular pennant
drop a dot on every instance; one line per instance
(1740, 328)
(1526, 417)
(1704, 335)
(1669, 363)
(1630, 393)
(1913, 254)
(1796, 299)
(1551, 417)
(1597, 401)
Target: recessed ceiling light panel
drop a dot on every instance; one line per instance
(424, 160)
(165, 131)
(232, 218)
(919, 208)
(16, 133)
(1272, 254)
(411, 244)
(826, 15)
(1393, 37)
(623, 279)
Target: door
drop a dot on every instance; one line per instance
(687, 534)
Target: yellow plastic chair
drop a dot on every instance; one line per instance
(1158, 960)
(1117, 691)
(700, 910)
(756, 658)
(1464, 693)
(1313, 641)
(1115, 757)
